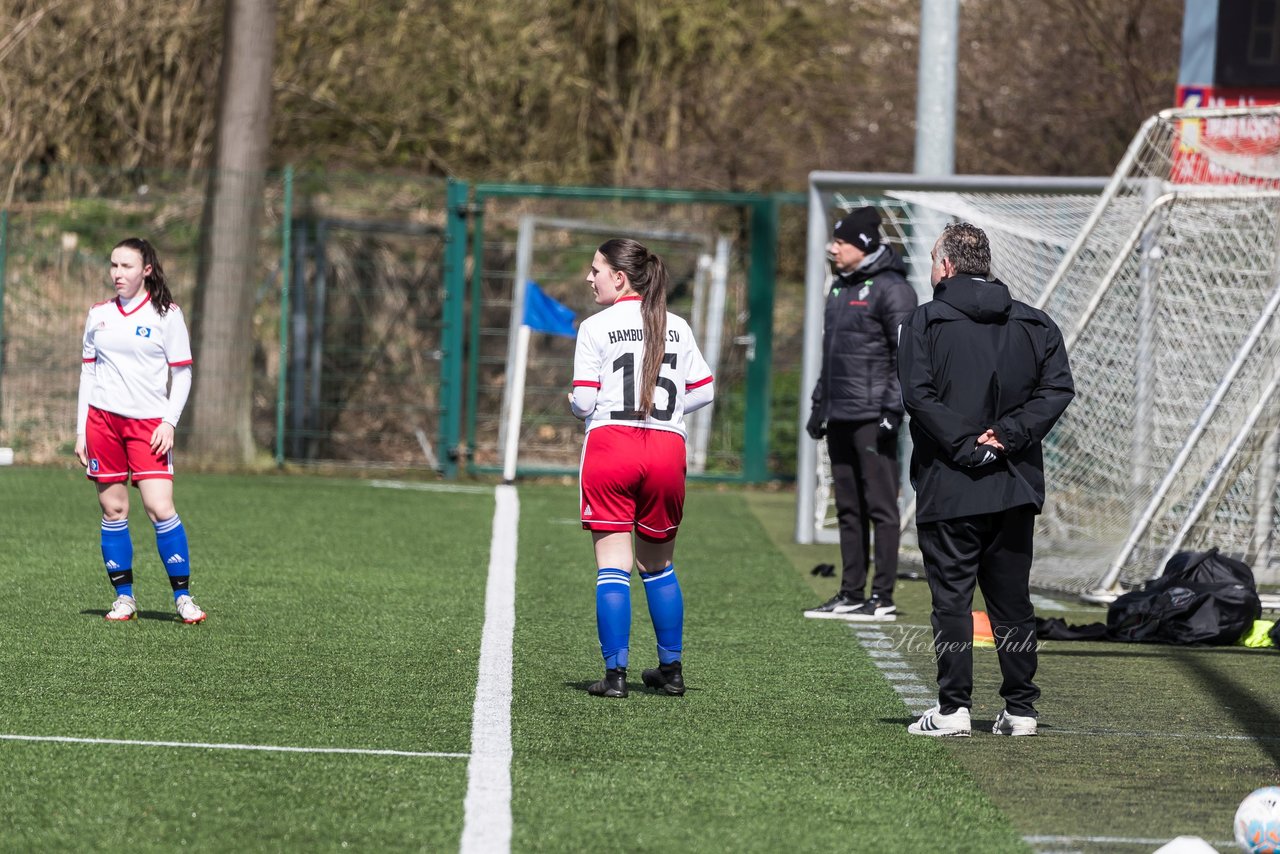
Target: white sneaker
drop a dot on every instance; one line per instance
(935, 723)
(1007, 724)
(188, 610)
(124, 608)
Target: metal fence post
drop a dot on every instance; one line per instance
(760, 281)
(477, 304)
(286, 271)
(455, 253)
(4, 255)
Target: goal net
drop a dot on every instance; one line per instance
(1167, 294)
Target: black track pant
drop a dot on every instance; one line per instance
(864, 468)
(993, 550)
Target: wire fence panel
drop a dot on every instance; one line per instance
(366, 322)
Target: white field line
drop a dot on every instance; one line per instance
(271, 748)
(429, 487)
(1046, 603)
(1111, 840)
(486, 827)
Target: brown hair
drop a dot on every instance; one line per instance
(155, 283)
(648, 277)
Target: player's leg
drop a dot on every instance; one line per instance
(117, 549)
(659, 511)
(109, 469)
(607, 481)
(154, 479)
(1004, 578)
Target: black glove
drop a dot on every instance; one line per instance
(889, 423)
(816, 428)
(981, 455)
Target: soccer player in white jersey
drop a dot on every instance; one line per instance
(128, 409)
(636, 373)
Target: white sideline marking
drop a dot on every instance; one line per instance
(429, 487)
(1110, 840)
(486, 827)
(266, 747)
(1044, 603)
(1188, 736)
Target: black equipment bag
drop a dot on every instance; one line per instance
(1202, 597)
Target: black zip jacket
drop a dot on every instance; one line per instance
(865, 307)
(975, 358)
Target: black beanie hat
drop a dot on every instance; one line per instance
(861, 227)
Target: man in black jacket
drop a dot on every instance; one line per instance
(984, 378)
(858, 407)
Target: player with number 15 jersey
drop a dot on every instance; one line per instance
(636, 373)
(609, 357)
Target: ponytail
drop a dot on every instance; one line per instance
(648, 276)
(653, 308)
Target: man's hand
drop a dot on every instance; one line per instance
(889, 423)
(986, 449)
(816, 428)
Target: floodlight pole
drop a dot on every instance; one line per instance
(936, 87)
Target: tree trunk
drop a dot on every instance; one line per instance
(227, 282)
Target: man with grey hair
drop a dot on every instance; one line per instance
(984, 378)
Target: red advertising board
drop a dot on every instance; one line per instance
(1232, 139)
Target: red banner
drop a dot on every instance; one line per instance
(1234, 138)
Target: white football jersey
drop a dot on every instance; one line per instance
(610, 358)
(132, 351)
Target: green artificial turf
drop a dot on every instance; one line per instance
(788, 739)
(339, 616)
(347, 616)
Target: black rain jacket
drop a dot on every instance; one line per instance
(975, 358)
(865, 307)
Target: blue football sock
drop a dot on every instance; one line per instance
(117, 555)
(171, 542)
(666, 609)
(613, 615)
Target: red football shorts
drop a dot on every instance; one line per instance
(632, 478)
(120, 448)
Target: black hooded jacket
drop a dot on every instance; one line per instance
(975, 358)
(865, 307)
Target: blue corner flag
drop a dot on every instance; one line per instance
(544, 314)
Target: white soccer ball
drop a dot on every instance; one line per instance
(1258, 821)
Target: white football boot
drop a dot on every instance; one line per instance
(124, 608)
(188, 610)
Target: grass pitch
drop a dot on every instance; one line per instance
(346, 616)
